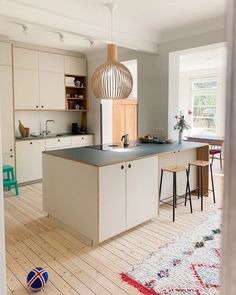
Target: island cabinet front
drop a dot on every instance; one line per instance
(128, 195)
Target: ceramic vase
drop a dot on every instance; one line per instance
(180, 136)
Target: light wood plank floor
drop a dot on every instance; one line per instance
(74, 268)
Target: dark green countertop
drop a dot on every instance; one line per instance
(98, 158)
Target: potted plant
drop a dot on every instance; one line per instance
(181, 124)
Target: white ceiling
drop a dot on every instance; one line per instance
(138, 24)
(207, 59)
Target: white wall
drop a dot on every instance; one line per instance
(153, 82)
(2, 231)
(36, 121)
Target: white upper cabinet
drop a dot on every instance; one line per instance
(26, 89)
(25, 59)
(52, 91)
(49, 62)
(75, 66)
(5, 54)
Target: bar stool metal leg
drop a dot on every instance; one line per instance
(186, 192)
(160, 184)
(189, 191)
(212, 183)
(198, 181)
(201, 190)
(174, 194)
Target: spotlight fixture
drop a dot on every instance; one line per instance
(25, 29)
(61, 37)
(91, 43)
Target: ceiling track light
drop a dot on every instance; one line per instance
(25, 29)
(91, 43)
(61, 37)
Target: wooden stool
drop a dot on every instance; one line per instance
(175, 169)
(200, 165)
(10, 180)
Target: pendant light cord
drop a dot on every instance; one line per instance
(112, 7)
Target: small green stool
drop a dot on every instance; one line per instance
(10, 180)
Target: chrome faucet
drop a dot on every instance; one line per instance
(47, 131)
(125, 137)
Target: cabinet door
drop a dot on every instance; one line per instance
(29, 160)
(26, 89)
(5, 54)
(142, 190)
(49, 62)
(81, 140)
(112, 201)
(118, 121)
(25, 59)
(131, 120)
(52, 91)
(58, 143)
(75, 66)
(6, 100)
(8, 159)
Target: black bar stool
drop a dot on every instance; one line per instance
(200, 165)
(175, 169)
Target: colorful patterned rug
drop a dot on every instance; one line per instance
(188, 266)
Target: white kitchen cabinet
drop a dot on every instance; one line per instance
(142, 190)
(25, 59)
(112, 201)
(178, 157)
(7, 122)
(128, 195)
(49, 62)
(26, 89)
(51, 91)
(81, 140)
(29, 160)
(75, 66)
(58, 143)
(5, 54)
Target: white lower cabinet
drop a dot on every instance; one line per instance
(29, 160)
(81, 140)
(58, 143)
(128, 195)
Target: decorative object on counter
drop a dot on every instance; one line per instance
(195, 271)
(150, 139)
(112, 80)
(82, 130)
(24, 131)
(181, 124)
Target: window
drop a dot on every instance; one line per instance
(204, 94)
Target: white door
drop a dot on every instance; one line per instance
(26, 89)
(29, 160)
(7, 125)
(142, 190)
(52, 91)
(112, 201)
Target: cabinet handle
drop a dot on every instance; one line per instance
(42, 107)
(82, 138)
(122, 167)
(58, 140)
(31, 142)
(37, 107)
(11, 150)
(129, 166)
(11, 156)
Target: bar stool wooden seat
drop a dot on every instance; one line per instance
(200, 165)
(175, 169)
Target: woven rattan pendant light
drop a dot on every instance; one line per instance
(112, 80)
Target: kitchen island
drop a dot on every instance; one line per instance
(101, 191)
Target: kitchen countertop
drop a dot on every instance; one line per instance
(92, 156)
(57, 135)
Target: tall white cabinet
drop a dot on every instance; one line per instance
(6, 101)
